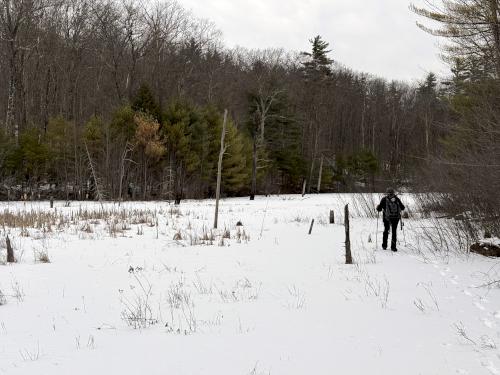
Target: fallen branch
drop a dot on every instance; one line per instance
(489, 284)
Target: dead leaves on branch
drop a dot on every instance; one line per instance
(147, 136)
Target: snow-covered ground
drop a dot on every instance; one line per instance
(122, 296)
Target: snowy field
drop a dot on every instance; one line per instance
(150, 288)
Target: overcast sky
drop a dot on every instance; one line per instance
(374, 36)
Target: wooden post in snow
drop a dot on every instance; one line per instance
(219, 168)
(320, 174)
(10, 251)
(348, 256)
(304, 187)
(311, 227)
(332, 217)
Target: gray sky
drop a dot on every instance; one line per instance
(374, 36)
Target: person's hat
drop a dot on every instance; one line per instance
(390, 191)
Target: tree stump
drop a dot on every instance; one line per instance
(10, 251)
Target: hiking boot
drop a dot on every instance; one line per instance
(394, 249)
(384, 247)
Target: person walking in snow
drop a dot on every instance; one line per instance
(392, 206)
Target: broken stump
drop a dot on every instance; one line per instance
(10, 251)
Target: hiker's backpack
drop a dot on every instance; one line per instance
(392, 209)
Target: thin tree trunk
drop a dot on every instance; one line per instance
(122, 170)
(219, 169)
(45, 103)
(145, 176)
(78, 180)
(23, 95)
(496, 32)
(373, 137)
(315, 150)
(110, 177)
(254, 169)
(9, 123)
(363, 124)
(320, 174)
(263, 110)
(310, 176)
(427, 135)
(99, 193)
(116, 81)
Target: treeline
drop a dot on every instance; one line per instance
(465, 169)
(123, 99)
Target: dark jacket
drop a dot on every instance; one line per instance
(381, 206)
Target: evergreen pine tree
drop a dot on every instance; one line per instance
(185, 133)
(144, 101)
(317, 64)
(283, 140)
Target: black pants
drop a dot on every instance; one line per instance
(393, 225)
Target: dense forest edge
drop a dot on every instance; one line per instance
(124, 100)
